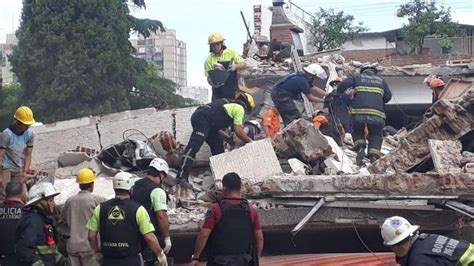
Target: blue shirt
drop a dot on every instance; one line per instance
(15, 145)
(295, 83)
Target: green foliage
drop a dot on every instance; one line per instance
(424, 18)
(74, 58)
(9, 96)
(330, 29)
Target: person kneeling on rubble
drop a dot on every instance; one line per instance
(371, 93)
(207, 120)
(290, 88)
(231, 233)
(124, 226)
(412, 248)
(328, 127)
(36, 235)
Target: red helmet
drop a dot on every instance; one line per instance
(436, 82)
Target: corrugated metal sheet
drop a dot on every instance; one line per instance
(365, 259)
(455, 89)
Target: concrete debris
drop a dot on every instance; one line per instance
(446, 155)
(469, 168)
(339, 160)
(68, 188)
(254, 162)
(298, 167)
(73, 158)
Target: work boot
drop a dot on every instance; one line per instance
(373, 158)
(360, 157)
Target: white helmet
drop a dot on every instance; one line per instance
(395, 229)
(316, 70)
(40, 191)
(123, 180)
(160, 165)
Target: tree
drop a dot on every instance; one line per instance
(424, 18)
(9, 96)
(74, 58)
(330, 29)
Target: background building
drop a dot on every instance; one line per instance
(167, 52)
(6, 69)
(199, 94)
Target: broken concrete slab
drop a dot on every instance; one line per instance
(469, 168)
(73, 158)
(69, 188)
(340, 162)
(254, 162)
(446, 155)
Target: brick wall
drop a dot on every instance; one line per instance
(281, 33)
(368, 55)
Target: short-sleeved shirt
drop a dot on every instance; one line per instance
(158, 200)
(236, 112)
(296, 84)
(214, 215)
(271, 120)
(14, 146)
(226, 55)
(143, 220)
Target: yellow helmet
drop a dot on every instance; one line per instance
(24, 115)
(85, 176)
(247, 100)
(215, 37)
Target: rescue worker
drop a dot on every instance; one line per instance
(36, 236)
(253, 130)
(16, 148)
(76, 212)
(328, 126)
(149, 193)
(207, 120)
(339, 104)
(412, 248)
(124, 226)
(437, 86)
(290, 88)
(231, 233)
(371, 93)
(231, 61)
(271, 122)
(10, 214)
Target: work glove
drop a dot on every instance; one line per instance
(167, 247)
(161, 260)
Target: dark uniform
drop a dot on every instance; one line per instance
(339, 105)
(10, 214)
(36, 238)
(232, 240)
(227, 91)
(432, 249)
(207, 120)
(371, 93)
(285, 91)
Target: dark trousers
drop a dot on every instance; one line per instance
(125, 261)
(231, 260)
(286, 106)
(375, 126)
(202, 132)
(8, 260)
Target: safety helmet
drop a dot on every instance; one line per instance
(335, 81)
(248, 100)
(160, 165)
(24, 115)
(371, 68)
(436, 82)
(396, 229)
(215, 37)
(428, 79)
(255, 123)
(85, 176)
(43, 190)
(316, 70)
(123, 180)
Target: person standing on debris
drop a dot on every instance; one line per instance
(437, 86)
(10, 214)
(271, 122)
(207, 120)
(371, 93)
(76, 212)
(412, 248)
(149, 193)
(36, 234)
(229, 60)
(16, 148)
(123, 225)
(231, 233)
(290, 87)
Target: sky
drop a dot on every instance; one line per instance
(194, 20)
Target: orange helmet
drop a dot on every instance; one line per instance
(436, 82)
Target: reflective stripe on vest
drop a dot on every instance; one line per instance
(367, 111)
(46, 250)
(369, 89)
(468, 257)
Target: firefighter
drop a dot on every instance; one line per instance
(229, 60)
(149, 193)
(339, 104)
(36, 236)
(77, 210)
(10, 214)
(124, 226)
(207, 120)
(437, 86)
(371, 93)
(412, 248)
(290, 88)
(231, 233)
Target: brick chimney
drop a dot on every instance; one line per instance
(282, 29)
